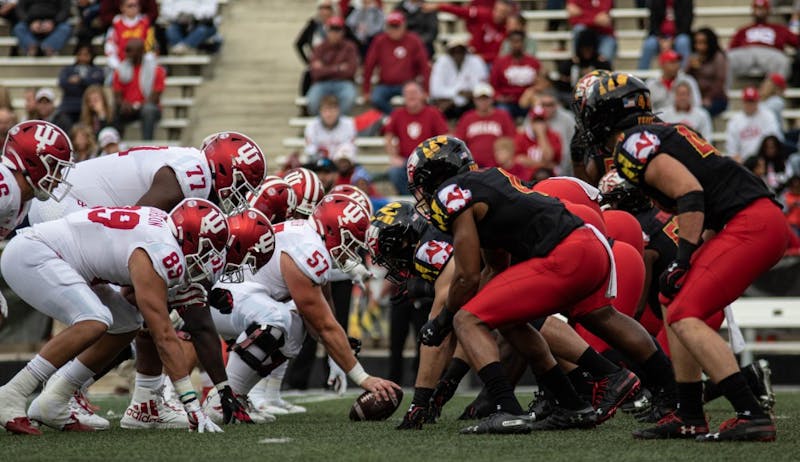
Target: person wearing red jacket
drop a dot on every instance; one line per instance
(401, 57)
(333, 65)
(595, 15)
(481, 127)
(406, 128)
(486, 26)
(512, 74)
(537, 145)
(760, 45)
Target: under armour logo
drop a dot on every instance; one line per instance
(46, 135)
(690, 430)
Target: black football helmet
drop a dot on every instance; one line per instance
(612, 102)
(619, 194)
(434, 161)
(393, 234)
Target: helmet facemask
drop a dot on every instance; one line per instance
(55, 178)
(235, 273)
(347, 255)
(204, 264)
(233, 199)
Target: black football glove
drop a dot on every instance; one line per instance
(435, 330)
(414, 418)
(443, 392)
(355, 345)
(221, 299)
(232, 409)
(671, 280)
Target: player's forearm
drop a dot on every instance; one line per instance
(335, 341)
(690, 225)
(169, 350)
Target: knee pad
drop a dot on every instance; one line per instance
(266, 338)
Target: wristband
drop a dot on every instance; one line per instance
(357, 374)
(685, 251)
(220, 386)
(185, 390)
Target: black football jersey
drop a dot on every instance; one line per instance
(728, 187)
(432, 253)
(661, 229)
(520, 221)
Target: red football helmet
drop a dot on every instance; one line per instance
(250, 246)
(274, 198)
(342, 223)
(354, 193)
(237, 165)
(43, 153)
(308, 189)
(202, 232)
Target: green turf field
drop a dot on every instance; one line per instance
(326, 434)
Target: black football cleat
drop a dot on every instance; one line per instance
(662, 404)
(611, 391)
(738, 429)
(415, 417)
(566, 419)
(542, 405)
(673, 427)
(443, 393)
(638, 402)
(500, 423)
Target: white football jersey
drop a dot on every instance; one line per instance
(297, 239)
(12, 210)
(98, 243)
(121, 179)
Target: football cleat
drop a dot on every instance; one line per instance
(149, 409)
(443, 393)
(541, 406)
(673, 427)
(662, 404)
(213, 409)
(416, 416)
(566, 419)
(762, 385)
(84, 411)
(500, 423)
(12, 413)
(638, 402)
(738, 429)
(610, 391)
(279, 406)
(53, 410)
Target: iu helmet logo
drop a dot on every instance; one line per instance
(214, 223)
(45, 136)
(352, 213)
(247, 154)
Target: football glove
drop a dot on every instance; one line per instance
(443, 393)
(672, 280)
(184, 298)
(359, 274)
(221, 299)
(232, 409)
(198, 420)
(355, 345)
(435, 330)
(337, 379)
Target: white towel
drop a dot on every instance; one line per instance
(611, 291)
(734, 332)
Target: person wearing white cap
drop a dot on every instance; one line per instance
(350, 172)
(108, 140)
(482, 126)
(45, 107)
(453, 76)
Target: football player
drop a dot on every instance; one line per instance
(747, 235)
(52, 265)
(228, 167)
(273, 307)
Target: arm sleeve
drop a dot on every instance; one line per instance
(448, 203)
(313, 260)
(168, 261)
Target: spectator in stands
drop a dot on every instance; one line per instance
(5, 98)
(585, 60)
(366, 21)
(505, 157)
(401, 57)
(88, 20)
(709, 66)
(45, 104)
(109, 9)
(8, 11)
(517, 22)
(777, 171)
(683, 111)
(664, 22)
(453, 77)
(95, 109)
(108, 140)
(408, 126)
(748, 128)
(190, 24)
(329, 130)
(423, 23)
(536, 144)
(130, 24)
(326, 171)
(595, 15)
(558, 119)
(486, 25)
(138, 83)
(8, 118)
(791, 202)
(43, 26)
(83, 142)
(350, 172)
(512, 74)
(661, 94)
(75, 79)
(771, 91)
(760, 47)
(333, 65)
(482, 126)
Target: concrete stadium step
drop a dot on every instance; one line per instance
(175, 107)
(175, 86)
(22, 66)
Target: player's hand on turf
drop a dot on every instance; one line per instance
(672, 280)
(198, 420)
(414, 418)
(221, 299)
(381, 387)
(337, 379)
(436, 330)
(232, 409)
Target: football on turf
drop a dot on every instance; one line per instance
(370, 407)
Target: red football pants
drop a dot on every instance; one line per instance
(752, 242)
(572, 278)
(630, 282)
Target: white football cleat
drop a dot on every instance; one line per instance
(280, 406)
(83, 410)
(149, 409)
(13, 416)
(213, 409)
(52, 409)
